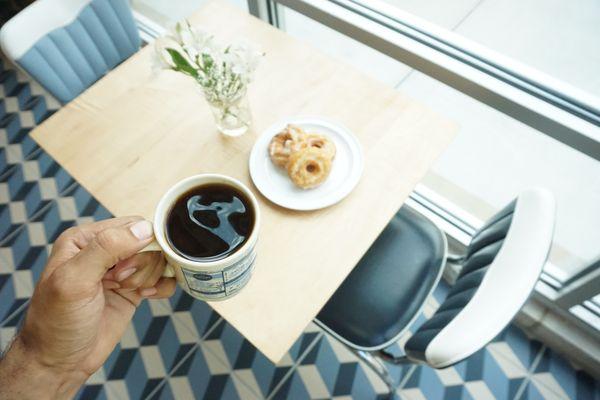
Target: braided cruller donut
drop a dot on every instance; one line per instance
(309, 167)
(288, 141)
(321, 142)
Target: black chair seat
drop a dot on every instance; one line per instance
(390, 283)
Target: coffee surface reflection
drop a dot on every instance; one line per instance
(209, 222)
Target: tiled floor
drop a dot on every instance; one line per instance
(179, 348)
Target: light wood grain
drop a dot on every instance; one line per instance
(136, 132)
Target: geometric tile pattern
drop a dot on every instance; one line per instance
(180, 349)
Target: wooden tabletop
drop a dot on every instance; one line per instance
(137, 131)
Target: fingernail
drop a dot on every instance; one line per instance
(126, 273)
(142, 230)
(110, 285)
(147, 292)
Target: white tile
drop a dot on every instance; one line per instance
(507, 360)
(37, 234)
(153, 362)
(494, 157)
(97, 377)
(440, 12)
(479, 390)
(48, 188)
(334, 44)
(11, 104)
(548, 387)
(14, 153)
(31, 171)
(18, 213)
(129, 340)
(116, 389)
(6, 260)
(215, 357)
(6, 337)
(181, 388)
(67, 208)
(23, 283)
(160, 307)
(184, 327)
(411, 394)
(245, 384)
(313, 382)
(449, 376)
(4, 195)
(556, 36)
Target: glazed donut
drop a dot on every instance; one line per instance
(321, 142)
(288, 141)
(309, 167)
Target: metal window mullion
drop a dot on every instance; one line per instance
(583, 286)
(266, 10)
(533, 111)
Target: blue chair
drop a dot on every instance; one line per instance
(386, 291)
(67, 45)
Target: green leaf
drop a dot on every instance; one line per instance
(181, 64)
(207, 61)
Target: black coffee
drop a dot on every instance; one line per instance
(210, 222)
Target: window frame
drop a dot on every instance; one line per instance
(552, 107)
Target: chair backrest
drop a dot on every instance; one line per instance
(67, 45)
(499, 272)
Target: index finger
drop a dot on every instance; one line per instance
(74, 239)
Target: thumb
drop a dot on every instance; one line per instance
(111, 246)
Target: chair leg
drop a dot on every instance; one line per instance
(392, 359)
(455, 258)
(378, 367)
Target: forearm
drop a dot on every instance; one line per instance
(23, 377)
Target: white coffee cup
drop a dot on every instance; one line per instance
(211, 280)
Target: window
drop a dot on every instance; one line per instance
(167, 13)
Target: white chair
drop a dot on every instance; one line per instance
(67, 45)
(499, 271)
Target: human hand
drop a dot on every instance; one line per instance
(81, 307)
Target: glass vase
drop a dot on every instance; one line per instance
(233, 118)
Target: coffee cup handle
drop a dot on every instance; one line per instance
(169, 271)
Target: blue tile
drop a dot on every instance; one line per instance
(3, 161)
(7, 295)
(524, 348)
(37, 262)
(232, 343)
(196, 369)
(327, 363)
(12, 125)
(7, 225)
(15, 314)
(202, 314)
(182, 352)
(217, 388)
(167, 340)
(142, 319)
(151, 387)
(576, 384)
(293, 389)
(91, 392)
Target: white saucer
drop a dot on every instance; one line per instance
(274, 183)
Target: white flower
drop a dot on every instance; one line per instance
(223, 72)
